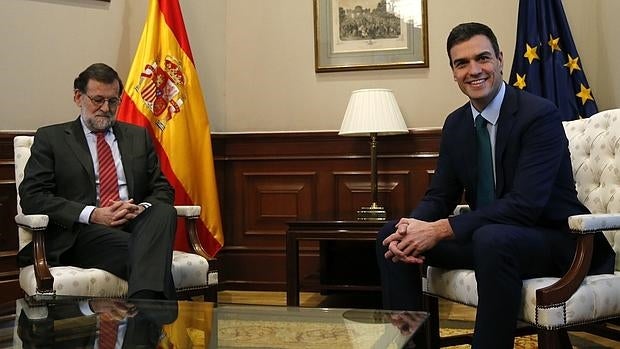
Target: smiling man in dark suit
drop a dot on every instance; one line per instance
(521, 197)
(99, 180)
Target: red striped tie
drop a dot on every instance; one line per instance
(108, 181)
(108, 330)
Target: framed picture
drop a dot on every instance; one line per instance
(370, 34)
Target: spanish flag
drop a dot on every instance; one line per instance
(163, 94)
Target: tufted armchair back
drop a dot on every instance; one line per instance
(21, 146)
(594, 145)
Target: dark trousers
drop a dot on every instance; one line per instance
(139, 252)
(501, 256)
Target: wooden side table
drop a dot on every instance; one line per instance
(323, 231)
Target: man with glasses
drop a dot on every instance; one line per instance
(99, 181)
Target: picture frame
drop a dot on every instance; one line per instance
(370, 34)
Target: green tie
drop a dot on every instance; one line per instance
(485, 193)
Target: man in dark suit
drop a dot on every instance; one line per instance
(130, 230)
(518, 226)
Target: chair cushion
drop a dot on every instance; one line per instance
(597, 298)
(71, 281)
(458, 285)
(188, 271)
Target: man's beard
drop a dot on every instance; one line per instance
(97, 123)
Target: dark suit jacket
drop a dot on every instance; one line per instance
(60, 179)
(534, 179)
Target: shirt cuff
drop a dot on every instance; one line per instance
(145, 204)
(85, 214)
(85, 308)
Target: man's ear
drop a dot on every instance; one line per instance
(77, 98)
(500, 58)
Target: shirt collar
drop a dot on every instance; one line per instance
(491, 112)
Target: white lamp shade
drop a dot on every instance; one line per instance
(372, 111)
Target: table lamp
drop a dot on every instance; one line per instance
(372, 112)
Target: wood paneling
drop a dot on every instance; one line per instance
(266, 180)
(9, 273)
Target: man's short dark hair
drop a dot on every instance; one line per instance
(99, 72)
(466, 31)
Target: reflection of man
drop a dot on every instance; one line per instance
(518, 227)
(407, 322)
(72, 324)
(99, 181)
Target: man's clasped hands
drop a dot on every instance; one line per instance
(413, 237)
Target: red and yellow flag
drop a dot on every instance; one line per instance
(163, 94)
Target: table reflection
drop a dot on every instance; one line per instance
(64, 322)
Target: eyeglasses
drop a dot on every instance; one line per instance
(98, 101)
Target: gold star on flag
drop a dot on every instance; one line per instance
(573, 64)
(520, 83)
(554, 43)
(584, 94)
(530, 53)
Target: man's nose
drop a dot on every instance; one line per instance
(475, 68)
(105, 106)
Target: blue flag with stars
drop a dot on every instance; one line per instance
(546, 62)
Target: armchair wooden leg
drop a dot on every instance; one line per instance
(210, 294)
(557, 339)
(431, 305)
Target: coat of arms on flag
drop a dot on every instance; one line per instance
(160, 89)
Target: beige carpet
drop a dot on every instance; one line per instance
(579, 340)
(526, 342)
(275, 334)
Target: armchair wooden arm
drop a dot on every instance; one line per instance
(36, 225)
(191, 215)
(564, 288)
(45, 280)
(585, 225)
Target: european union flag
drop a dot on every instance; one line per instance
(546, 61)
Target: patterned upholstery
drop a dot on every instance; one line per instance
(595, 154)
(189, 270)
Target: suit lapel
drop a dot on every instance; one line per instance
(75, 138)
(124, 147)
(504, 127)
(462, 137)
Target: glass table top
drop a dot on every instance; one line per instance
(65, 322)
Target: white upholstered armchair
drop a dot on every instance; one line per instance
(195, 274)
(553, 305)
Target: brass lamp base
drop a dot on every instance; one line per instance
(372, 213)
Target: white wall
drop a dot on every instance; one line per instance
(255, 59)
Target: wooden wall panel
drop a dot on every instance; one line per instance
(268, 180)
(271, 198)
(9, 273)
(352, 191)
